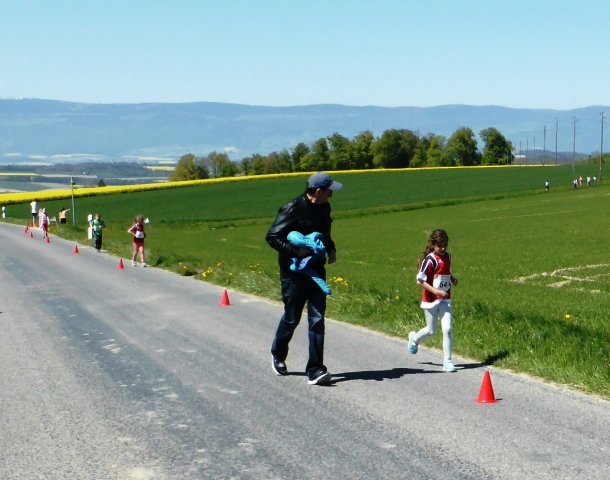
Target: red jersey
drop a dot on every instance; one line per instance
(138, 231)
(436, 271)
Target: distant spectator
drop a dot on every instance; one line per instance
(547, 185)
(62, 214)
(97, 224)
(34, 205)
(588, 181)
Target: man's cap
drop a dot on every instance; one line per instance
(323, 181)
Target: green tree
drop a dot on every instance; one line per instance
(362, 151)
(279, 162)
(246, 165)
(189, 168)
(394, 149)
(461, 149)
(259, 164)
(318, 158)
(256, 164)
(498, 150)
(340, 152)
(221, 165)
(435, 151)
(420, 157)
(410, 141)
(297, 154)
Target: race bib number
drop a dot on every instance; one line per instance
(442, 282)
(139, 234)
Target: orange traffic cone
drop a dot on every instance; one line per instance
(76, 249)
(486, 394)
(47, 239)
(31, 235)
(224, 301)
(25, 230)
(120, 265)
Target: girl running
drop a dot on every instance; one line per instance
(44, 223)
(137, 232)
(435, 278)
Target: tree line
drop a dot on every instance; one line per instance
(394, 148)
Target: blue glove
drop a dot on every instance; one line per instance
(313, 241)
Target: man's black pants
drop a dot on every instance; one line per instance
(298, 289)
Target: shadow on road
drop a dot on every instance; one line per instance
(377, 375)
(488, 362)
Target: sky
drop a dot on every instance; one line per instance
(513, 53)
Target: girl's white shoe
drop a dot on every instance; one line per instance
(448, 366)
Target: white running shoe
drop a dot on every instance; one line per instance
(448, 366)
(412, 344)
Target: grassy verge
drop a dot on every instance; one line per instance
(534, 286)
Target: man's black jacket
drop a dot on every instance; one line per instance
(302, 216)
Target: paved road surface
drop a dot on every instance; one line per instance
(140, 374)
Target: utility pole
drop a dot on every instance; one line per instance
(574, 147)
(601, 148)
(556, 128)
(73, 210)
(544, 147)
(535, 151)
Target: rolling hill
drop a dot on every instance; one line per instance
(58, 131)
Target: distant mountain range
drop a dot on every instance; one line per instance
(48, 131)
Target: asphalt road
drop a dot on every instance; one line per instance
(141, 374)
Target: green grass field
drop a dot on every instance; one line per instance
(534, 272)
